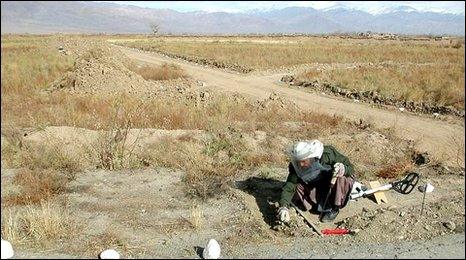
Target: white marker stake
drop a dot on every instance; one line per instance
(212, 250)
(109, 254)
(7, 250)
(427, 188)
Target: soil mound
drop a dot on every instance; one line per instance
(101, 68)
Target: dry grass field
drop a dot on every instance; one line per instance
(30, 65)
(411, 70)
(439, 84)
(77, 164)
(262, 53)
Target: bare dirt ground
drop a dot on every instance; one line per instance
(145, 213)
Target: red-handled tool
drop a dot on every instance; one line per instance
(338, 231)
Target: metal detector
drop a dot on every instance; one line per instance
(404, 186)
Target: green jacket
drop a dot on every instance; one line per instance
(330, 156)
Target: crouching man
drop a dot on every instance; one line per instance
(320, 179)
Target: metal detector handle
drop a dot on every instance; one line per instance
(367, 192)
(406, 185)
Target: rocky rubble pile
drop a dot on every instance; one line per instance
(374, 97)
(402, 224)
(100, 68)
(297, 227)
(275, 99)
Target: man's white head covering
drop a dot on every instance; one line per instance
(307, 149)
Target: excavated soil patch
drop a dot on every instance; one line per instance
(103, 68)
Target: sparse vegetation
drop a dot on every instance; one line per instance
(205, 181)
(51, 156)
(38, 225)
(48, 155)
(263, 53)
(113, 149)
(27, 65)
(395, 170)
(196, 218)
(436, 83)
(98, 243)
(164, 72)
(224, 137)
(222, 112)
(36, 186)
(421, 71)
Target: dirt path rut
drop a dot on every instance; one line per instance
(445, 141)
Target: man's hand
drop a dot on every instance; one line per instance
(338, 171)
(283, 214)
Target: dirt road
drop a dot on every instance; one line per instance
(443, 140)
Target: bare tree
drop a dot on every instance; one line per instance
(154, 28)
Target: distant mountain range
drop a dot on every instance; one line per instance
(97, 17)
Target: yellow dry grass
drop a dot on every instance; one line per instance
(29, 65)
(423, 70)
(441, 84)
(283, 52)
(95, 244)
(196, 218)
(47, 155)
(24, 105)
(36, 186)
(165, 72)
(37, 224)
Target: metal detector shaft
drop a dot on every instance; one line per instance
(307, 220)
(367, 192)
(325, 202)
(404, 186)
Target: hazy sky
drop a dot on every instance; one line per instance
(241, 6)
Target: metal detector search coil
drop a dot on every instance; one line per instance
(404, 186)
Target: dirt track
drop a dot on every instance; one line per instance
(443, 140)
